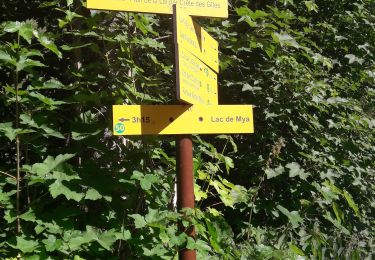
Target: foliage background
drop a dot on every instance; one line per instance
(302, 185)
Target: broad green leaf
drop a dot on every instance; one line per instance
(296, 250)
(77, 239)
(49, 164)
(28, 216)
(25, 29)
(148, 180)
(336, 223)
(296, 170)
(123, 235)
(93, 194)
(352, 58)
(26, 245)
(27, 120)
(5, 57)
(70, 47)
(47, 42)
(271, 173)
(228, 163)
(198, 193)
(62, 176)
(285, 39)
(311, 6)
(52, 243)
(10, 132)
(351, 202)
(338, 212)
(229, 193)
(25, 63)
(58, 188)
(53, 104)
(157, 250)
(49, 84)
(106, 239)
(139, 220)
(293, 216)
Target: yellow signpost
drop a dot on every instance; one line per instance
(190, 35)
(196, 82)
(206, 8)
(182, 119)
(197, 65)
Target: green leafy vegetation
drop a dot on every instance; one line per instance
(301, 186)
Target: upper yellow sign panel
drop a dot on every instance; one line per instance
(195, 39)
(196, 83)
(206, 8)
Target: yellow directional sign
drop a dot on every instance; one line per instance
(196, 83)
(206, 8)
(182, 119)
(190, 35)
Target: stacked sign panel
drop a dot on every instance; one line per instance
(206, 8)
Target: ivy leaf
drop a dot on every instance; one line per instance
(148, 180)
(293, 216)
(106, 239)
(272, 173)
(57, 188)
(51, 243)
(311, 6)
(296, 170)
(77, 239)
(93, 194)
(139, 220)
(49, 164)
(352, 58)
(25, 245)
(28, 216)
(285, 39)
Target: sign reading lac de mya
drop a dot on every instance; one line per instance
(182, 119)
(206, 8)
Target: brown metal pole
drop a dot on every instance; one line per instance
(185, 185)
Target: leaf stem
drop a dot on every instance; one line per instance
(7, 174)
(18, 157)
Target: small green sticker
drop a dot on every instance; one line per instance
(119, 128)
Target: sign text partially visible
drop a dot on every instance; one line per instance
(206, 8)
(196, 82)
(194, 38)
(182, 119)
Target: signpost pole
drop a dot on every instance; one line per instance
(185, 185)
